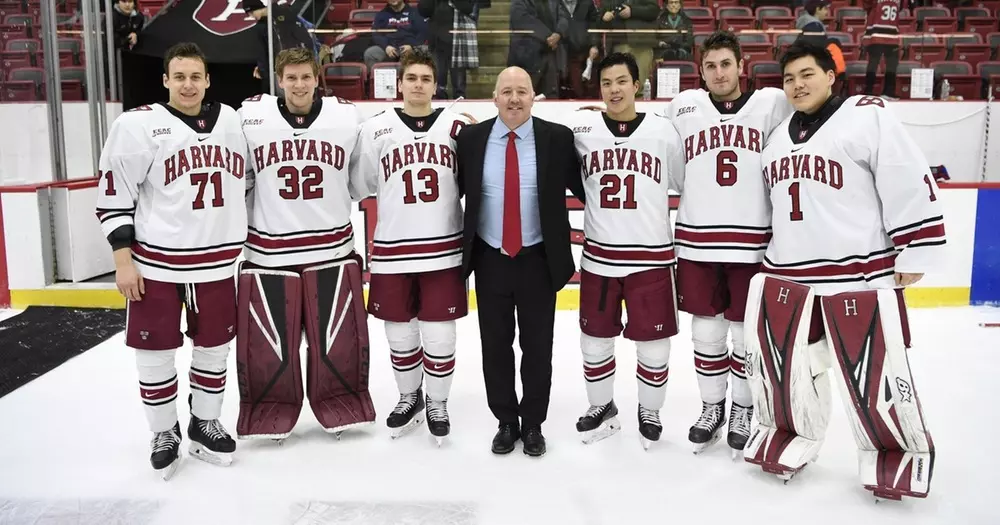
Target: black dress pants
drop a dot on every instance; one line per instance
(505, 286)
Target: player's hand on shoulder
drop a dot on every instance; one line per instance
(472, 120)
(908, 279)
(590, 107)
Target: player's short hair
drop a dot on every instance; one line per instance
(184, 50)
(722, 40)
(806, 48)
(615, 59)
(294, 56)
(417, 57)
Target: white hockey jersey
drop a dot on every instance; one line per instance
(303, 182)
(724, 214)
(412, 163)
(853, 197)
(627, 169)
(179, 181)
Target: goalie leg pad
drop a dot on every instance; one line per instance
(867, 333)
(337, 336)
(786, 376)
(268, 337)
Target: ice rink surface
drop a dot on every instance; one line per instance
(74, 449)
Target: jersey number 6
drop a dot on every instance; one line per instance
(725, 168)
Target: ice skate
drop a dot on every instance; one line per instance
(598, 423)
(408, 414)
(649, 426)
(739, 428)
(210, 442)
(708, 429)
(166, 451)
(437, 419)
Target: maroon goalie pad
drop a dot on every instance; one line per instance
(337, 335)
(268, 338)
(869, 334)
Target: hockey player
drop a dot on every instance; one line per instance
(302, 270)
(628, 161)
(417, 286)
(170, 201)
(856, 218)
(722, 228)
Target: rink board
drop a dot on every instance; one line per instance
(50, 235)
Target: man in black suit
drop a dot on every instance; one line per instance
(518, 243)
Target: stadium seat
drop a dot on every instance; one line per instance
(856, 78)
(10, 60)
(19, 91)
(701, 16)
(981, 24)
(960, 77)
(765, 12)
(777, 22)
(8, 33)
(989, 73)
(927, 53)
(940, 24)
(962, 13)
(346, 79)
(757, 51)
(853, 25)
(736, 24)
(339, 12)
(972, 54)
(361, 18)
(23, 44)
(765, 74)
(733, 10)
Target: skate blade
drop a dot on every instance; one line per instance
(607, 429)
(219, 459)
(168, 472)
(737, 453)
(646, 442)
(439, 440)
(415, 422)
(338, 431)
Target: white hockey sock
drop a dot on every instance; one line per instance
(711, 356)
(158, 387)
(652, 370)
(208, 380)
(737, 364)
(598, 368)
(439, 357)
(406, 354)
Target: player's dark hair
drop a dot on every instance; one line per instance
(417, 57)
(184, 50)
(615, 59)
(806, 48)
(722, 40)
(293, 56)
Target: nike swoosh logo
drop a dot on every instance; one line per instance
(797, 149)
(659, 377)
(149, 395)
(418, 137)
(300, 133)
(203, 139)
(726, 119)
(620, 143)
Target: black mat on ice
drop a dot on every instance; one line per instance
(43, 337)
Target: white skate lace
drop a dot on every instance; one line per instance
(164, 441)
(213, 429)
(739, 420)
(650, 417)
(710, 415)
(595, 411)
(406, 402)
(437, 410)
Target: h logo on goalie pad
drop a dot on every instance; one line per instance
(791, 397)
(873, 373)
(268, 336)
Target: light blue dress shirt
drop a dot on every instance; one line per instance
(494, 172)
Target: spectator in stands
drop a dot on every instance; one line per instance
(810, 22)
(452, 25)
(539, 53)
(288, 33)
(631, 15)
(409, 30)
(882, 40)
(677, 40)
(128, 22)
(580, 45)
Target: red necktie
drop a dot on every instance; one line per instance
(511, 242)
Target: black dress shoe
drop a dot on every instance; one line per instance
(503, 441)
(533, 440)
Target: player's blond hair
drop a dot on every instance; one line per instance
(294, 56)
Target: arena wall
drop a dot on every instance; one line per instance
(52, 251)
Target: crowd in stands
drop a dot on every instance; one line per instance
(555, 40)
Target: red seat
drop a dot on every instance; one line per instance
(737, 23)
(733, 10)
(981, 24)
(940, 24)
(339, 12)
(766, 74)
(716, 4)
(72, 91)
(927, 53)
(993, 83)
(13, 60)
(777, 22)
(853, 25)
(973, 54)
(19, 91)
(959, 75)
(346, 79)
(756, 52)
(361, 18)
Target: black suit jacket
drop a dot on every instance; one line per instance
(558, 169)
